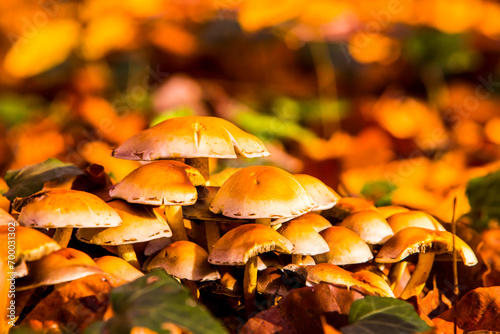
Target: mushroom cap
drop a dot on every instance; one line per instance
(413, 240)
(139, 224)
(399, 221)
(32, 244)
(262, 192)
(324, 196)
(6, 218)
(378, 284)
(201, 209)
(317, 222)
(64, 265)
(330, 273)
(390, 210)
(185, 260)
(304, 238)
(240, 244)
(346, 247)
(348, 205)
(59, 208)
(118, 267)
(191, 137)
(369, 225)
(160, 182)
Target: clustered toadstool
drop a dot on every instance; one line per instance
(306, 226)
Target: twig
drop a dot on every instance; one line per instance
(455, 269)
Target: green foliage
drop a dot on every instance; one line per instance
(379, 191)
(30, 179)
(450, 52)
(17, 109)
(177, 112)
(484, 198)
(153, 300)
(384, 315)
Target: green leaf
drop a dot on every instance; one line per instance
(384, 315)
(30, 179)
(379, 191)
(484, 198)
(153, 300)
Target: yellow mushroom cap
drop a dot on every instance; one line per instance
(389, 210)
(348, 205)
(139, 224)
(369, 225)
(60, 208)
(413, 240)
(160, 182)
(317, 222)
(378, 284)
(64, 265)
(191, 137)
(240, 244)
(185, 260)
(118, 267)
(6, 218)
(324, 196)
(346, 247)
(262, 192)
(304, 238)
(421, 219)
(32, 244)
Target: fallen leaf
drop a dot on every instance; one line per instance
(477, 310)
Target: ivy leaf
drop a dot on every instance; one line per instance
(484, 198)
(152, 301)
(383, 315)
(30, 179)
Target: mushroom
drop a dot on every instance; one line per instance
(6, 218)
(346, 247)
(304, 238)
(346, 206)
(324, 196)
(32, 244)
(139, 224)
(317, 222)
(64, 265)
(369, 225)
(186, 261)
(64, 210)
(399, 221)
(387, 211)
(195, 138)
(169, 183)
(262, 193)
(240, 246)
(428, 243)
(118, 268)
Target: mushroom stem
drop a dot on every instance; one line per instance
(176, 222)
(396, 272)
(213, 233)
(201, 164)
(127, 253)
(263, 221)
(250, 285)
(296, 259)
(62, 236)
(419, 276)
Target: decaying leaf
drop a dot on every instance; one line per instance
(300, 311)
(477, 310)
(30, 179)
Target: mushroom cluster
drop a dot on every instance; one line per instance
(238, 239)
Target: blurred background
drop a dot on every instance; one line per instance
(395, 100)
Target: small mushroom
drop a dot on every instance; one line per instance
(324, 196)
(369, 225)
(346, 247)
(64, 210)
(427, 243)
(240, 246)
